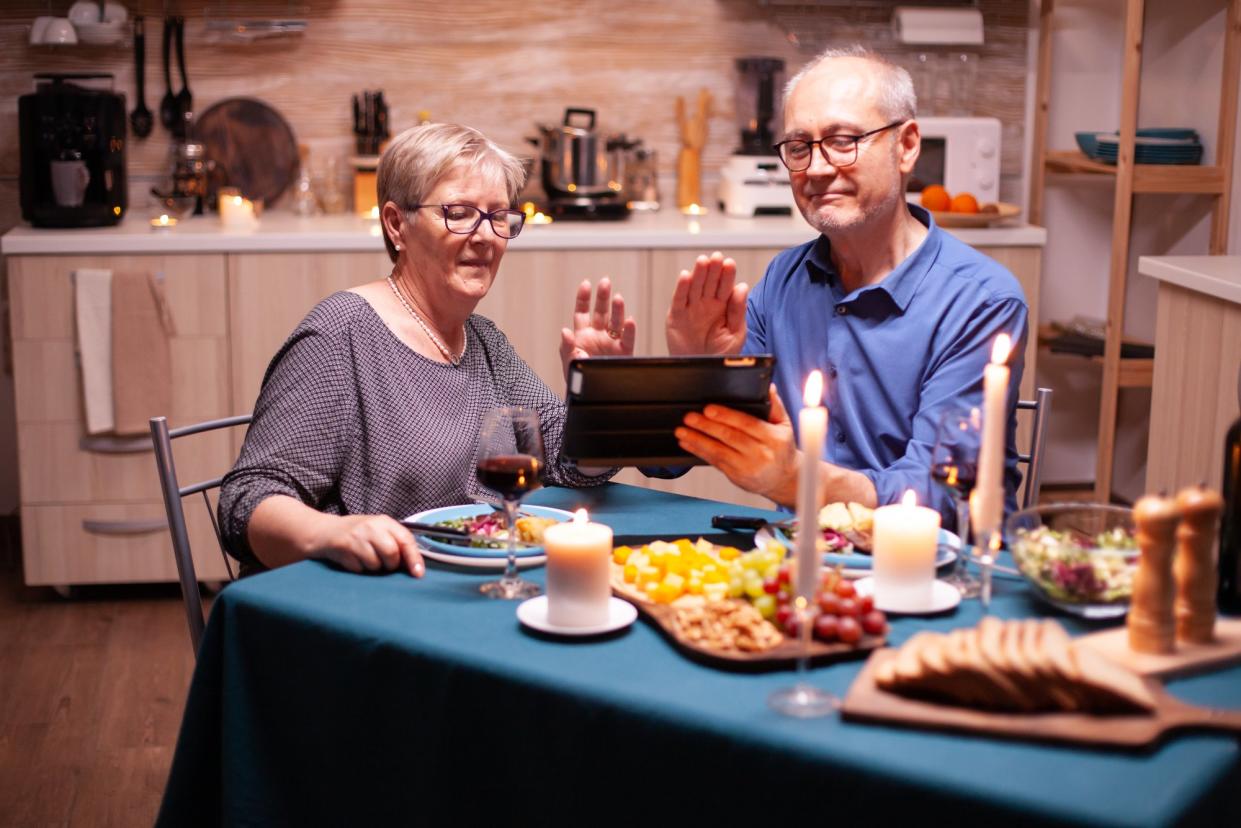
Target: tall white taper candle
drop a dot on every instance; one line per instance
(987, 503)
(812, 432)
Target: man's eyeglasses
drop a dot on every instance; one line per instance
(465, 218)
(839, 150)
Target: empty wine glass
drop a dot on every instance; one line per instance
(954, 464)
(510, 457)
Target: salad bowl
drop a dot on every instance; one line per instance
(1078, 557)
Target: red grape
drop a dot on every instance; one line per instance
(829, 603)
(784, 575)
(826, 627)
(866, 603)
(791, 628)
(874, 623)
(849, 607)
(849, 630)
(783, 614)
(845, 589)
(771, 586)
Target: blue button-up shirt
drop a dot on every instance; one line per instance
(896, 355)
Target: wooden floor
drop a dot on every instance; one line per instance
(91, 694)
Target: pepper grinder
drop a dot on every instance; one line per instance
(1195, 564)
(1152, 628)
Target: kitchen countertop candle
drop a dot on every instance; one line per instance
(236, 211)
(812, 433)
(578, 568)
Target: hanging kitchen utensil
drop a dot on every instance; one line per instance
(140, 119)
(252, 144)
(168, 104)
(185, 101)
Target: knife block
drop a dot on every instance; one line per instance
(365, 196)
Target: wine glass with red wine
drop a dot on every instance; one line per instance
(510, 457)
(954, 465)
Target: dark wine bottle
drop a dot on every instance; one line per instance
(1230, 529)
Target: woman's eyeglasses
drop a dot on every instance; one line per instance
(838, 150)
(465, 218)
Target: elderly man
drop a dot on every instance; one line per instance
(898, 315)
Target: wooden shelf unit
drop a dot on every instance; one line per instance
(1214, 182)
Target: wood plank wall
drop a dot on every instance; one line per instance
(499, 65)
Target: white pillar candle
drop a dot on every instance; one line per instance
(811, 432)
(236, 212)
(987, 502)
(578, 568)
(906, 537)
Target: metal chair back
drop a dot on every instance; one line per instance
(173, 492)
(1041, 406)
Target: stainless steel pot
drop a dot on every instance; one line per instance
(574, 157)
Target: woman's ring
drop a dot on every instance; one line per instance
(614, 334)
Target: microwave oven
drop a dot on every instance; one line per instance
(960, 154)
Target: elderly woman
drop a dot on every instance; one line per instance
(372, 407)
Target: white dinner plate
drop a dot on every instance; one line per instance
(948, 549)
(475, 557)
(944, 596)
(533, 613)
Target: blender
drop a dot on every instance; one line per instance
(753, 182)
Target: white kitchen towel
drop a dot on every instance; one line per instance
(93, 308)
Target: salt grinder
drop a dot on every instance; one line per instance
(1152, 628)
(1195, 564)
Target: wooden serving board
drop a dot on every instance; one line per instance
(865, 702)
(252, 143)
(1187, 660)
(779, 657)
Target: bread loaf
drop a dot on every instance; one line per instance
(1012, 666)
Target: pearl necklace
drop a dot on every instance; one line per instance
(435, 340)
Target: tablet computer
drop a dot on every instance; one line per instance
(622, 410)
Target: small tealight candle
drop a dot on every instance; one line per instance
(694, 210)
(906, 536)
(236, 211)
(578, 568)
(163, 222)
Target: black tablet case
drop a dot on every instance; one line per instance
(622, 410)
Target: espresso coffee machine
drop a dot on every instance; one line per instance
(753, 182)
(72, 135)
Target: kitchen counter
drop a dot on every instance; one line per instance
(1218, 276)
(284, 232)
(1196, 382)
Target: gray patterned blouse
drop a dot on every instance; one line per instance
(350, 420)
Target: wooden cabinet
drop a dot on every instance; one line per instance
(91, 514)
(91, 506)
(269, 293)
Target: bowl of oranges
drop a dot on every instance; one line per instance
(963, 209)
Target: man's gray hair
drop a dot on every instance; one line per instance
(897, 100)
(420, 157)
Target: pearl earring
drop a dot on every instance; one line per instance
(397, 247)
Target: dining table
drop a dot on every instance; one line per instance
(322, 697)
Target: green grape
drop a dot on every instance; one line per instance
(735, 588)
(754, 588)
(766, 606)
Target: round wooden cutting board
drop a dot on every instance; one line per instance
(252, 143)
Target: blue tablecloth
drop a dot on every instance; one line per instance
(322, 697)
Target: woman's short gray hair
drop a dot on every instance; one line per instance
(897, 100)
(420, 157)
